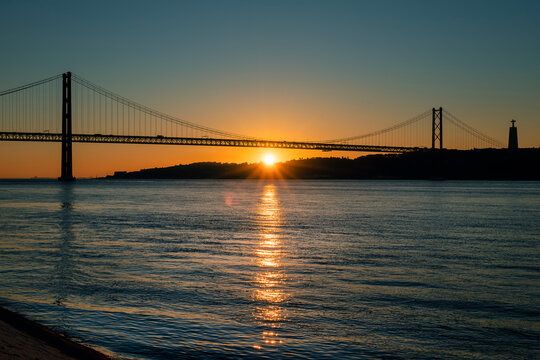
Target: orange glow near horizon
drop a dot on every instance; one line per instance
(34, 159)
(240, 111)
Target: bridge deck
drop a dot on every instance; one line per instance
(126, 139)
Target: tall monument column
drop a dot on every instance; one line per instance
(512, 136)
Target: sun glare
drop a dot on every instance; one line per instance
(269, 159)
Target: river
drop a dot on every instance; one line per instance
(278, 269)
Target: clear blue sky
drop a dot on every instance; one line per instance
(322, 68)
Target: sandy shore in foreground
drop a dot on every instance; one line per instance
(21, 338)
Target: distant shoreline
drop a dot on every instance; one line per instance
(482, 164)
(478, 164)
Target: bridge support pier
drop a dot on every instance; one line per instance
(436, 128)
(66, 172)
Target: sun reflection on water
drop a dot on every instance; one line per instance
(270, 279)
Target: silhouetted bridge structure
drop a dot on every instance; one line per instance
(92, 114)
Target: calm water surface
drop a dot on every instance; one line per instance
(295, 269)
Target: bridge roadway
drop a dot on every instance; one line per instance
(130, 139)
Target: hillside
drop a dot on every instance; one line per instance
(486, 164)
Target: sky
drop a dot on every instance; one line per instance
(297, 70)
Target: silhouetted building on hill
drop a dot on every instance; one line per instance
(512, 136)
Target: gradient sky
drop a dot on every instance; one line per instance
(303, 70)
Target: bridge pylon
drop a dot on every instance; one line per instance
(67, 171)
(436, 128)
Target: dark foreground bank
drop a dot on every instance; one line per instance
(21, 338)
(479, 164)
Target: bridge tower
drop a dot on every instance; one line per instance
(436, 128)
(66, 174)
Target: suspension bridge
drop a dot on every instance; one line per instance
(67, 108)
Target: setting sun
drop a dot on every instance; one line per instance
(269, 159)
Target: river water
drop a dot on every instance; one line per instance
(278, 269)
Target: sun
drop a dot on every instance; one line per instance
(269, 159)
